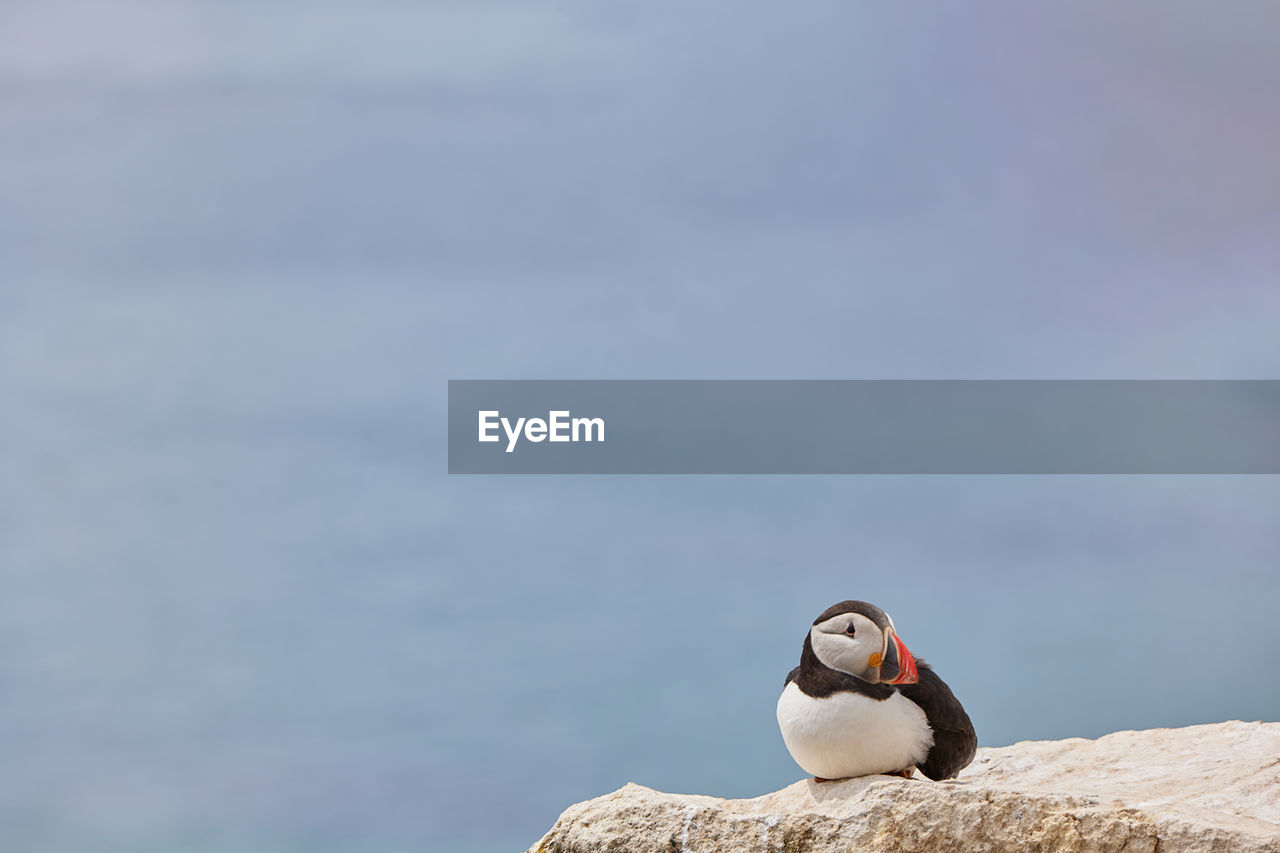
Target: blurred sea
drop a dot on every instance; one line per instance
(244, 608)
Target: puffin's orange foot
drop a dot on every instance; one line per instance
(905, 772)
(820, 779)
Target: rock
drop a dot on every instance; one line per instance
(1201, 788)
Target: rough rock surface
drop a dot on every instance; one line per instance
(1201, 788)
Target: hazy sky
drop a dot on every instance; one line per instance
(970, 189)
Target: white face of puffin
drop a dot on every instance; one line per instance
(852, 644)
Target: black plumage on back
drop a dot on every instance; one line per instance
(954, 740)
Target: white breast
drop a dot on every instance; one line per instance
(848, 734)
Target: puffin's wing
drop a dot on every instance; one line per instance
(954, 740)
(792, 676)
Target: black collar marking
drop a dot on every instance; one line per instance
(816, 679)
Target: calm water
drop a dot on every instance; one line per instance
(244, 609)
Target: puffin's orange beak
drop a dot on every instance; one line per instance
(898, 664)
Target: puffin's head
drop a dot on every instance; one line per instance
(859, 639)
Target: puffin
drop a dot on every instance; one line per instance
(860, 704)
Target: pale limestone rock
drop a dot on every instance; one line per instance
(1213, 788)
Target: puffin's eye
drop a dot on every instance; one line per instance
(849, 630)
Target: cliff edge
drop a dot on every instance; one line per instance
(1200, 788)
